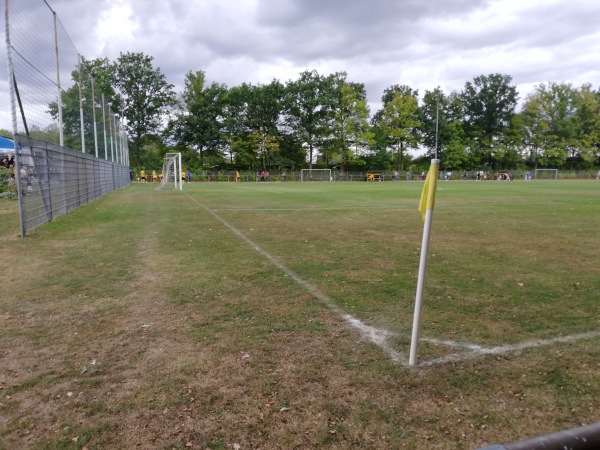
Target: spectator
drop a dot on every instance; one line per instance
(12, 182)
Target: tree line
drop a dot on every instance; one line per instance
(325, 120)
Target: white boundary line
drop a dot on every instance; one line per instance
(474, 350)
(380, 337)
(391, 208)
(374, 335)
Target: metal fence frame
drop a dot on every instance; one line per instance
(583, 438)
(61, 162)
(53, 180)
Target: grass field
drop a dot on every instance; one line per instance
(239, 316)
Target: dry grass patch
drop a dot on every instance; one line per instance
(144, 322)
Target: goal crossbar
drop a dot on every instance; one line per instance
(315, 175)
(546, 174)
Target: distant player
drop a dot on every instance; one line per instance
(154, 176)
(143, 176)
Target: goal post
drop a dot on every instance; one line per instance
(307, 175)
(171, 172)
(546, 174)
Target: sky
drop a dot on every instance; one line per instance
(420, 43)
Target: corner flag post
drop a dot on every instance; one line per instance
(426, 208)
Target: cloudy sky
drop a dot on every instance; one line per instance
(420, 43)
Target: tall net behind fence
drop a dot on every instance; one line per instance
(60, 105)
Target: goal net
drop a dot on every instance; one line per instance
(170, 176)
(315, 175)
(546, 174)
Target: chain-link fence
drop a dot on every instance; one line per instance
(59, 107)
(54, 180)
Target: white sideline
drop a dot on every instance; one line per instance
(380, 337)
(371, 334)
(475, 350)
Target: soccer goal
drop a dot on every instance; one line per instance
(170, 176)
(546, 174)
(315, 175)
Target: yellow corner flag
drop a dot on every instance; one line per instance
(428, 194)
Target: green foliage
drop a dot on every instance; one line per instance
(198, 123)
(399, 121)
(4, 177)
(307, 108)
(348, 122)
(144, 97)
(327, 117)
(489, 104)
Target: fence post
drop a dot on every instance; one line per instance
(583, 438)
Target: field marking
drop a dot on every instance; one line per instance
(374, 335)
(380, 337)
(475, 350)
(351, 207)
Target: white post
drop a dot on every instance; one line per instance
(13, 108)
(104, 127)
(112, 155)
(179, 174)
(437, 119)
(114, 118)
(81, 118)
(94, 118)
(427, 202)
(61, 134)
(414, 341)
(175, 176)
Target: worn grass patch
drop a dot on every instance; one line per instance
(164, 319)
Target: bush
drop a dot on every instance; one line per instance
(4, 176)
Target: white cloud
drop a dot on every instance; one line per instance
(423, 44)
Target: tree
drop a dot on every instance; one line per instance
(92, 83)
(587, 120)
(307, 103)
(199, 121)
(536, 127)
(143, 96)
(349, 119)
(444, 113)
(399, 120)
(263, 114)
(549, 118)
(489, 103)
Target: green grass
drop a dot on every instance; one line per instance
(199, 337)
(508, 261)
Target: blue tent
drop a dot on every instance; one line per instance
(6, 143)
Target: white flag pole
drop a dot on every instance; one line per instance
(427, 202)
(414, 341)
